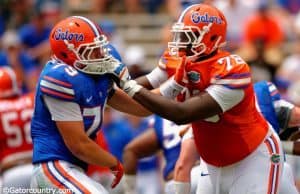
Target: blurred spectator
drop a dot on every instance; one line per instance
(289, 71)
(262, 26)
(12, 55)
(51, 10)
(297, 24)
(2, 24)
(135, 59)
(263, 39)
(16, 12)
(236, 12)
(128, 6)
(187, 3)
(116, 39)
(35, 34)
(261, 68)
(292, 6)
(152, 6)
(101, 6)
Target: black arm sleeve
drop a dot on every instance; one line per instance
(283, 116)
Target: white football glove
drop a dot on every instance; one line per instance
(123, 79)
(129, 185)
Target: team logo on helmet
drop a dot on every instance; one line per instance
(193, 76)
(66, 35)
(197, 18)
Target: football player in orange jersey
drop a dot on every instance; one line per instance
(241, 149)
(16, 145)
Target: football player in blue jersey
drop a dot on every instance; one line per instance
(162, 135)
(72, 92)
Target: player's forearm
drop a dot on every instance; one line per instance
(130, 162)
(195, 108)
(182, 173)
(169, 109)
(134, 108)
(91, 153)
(188, 158)
(143, 81)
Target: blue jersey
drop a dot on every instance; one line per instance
(63, 82)
(31, 37)
(267, 94)
(117, 134)
(146, 163)
(167, 133)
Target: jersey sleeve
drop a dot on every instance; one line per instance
(275, 95)
(114, 52)
(57, 84)
(169, 63)
(283, 108)
(231, 72)
(63, 111)
(162, 62)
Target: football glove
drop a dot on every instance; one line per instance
(120, 74)
(122, 78)
(118, 172)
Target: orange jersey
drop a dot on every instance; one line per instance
(168, 63)
(231, 136)
(15, 139)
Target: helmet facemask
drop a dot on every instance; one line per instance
(189, 39)
(95, 57)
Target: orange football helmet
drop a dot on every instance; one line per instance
(8, 83)
(79, 42)
(200, 30)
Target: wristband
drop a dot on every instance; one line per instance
(182, 187)
(288, 147)
(129, 184)
(170, 89)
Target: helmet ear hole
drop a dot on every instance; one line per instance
(213, 37)
(64, 55)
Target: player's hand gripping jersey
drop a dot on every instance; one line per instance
(15, 140)
(61, 81)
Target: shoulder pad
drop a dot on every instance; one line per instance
(232, 72)
(56, 81)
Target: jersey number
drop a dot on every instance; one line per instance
(170, 134)
(13, 130)
(96, 113)
(237, 60)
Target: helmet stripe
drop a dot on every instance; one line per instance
(184, 12)
(91, 24)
